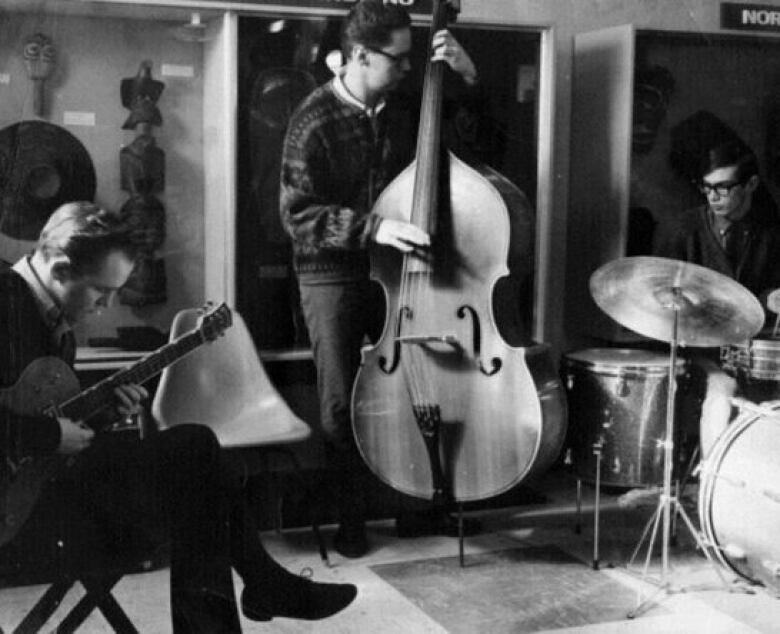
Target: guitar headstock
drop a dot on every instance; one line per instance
(214, 321)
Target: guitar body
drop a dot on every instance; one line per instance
(44, 383)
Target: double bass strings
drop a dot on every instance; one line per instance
(411, 361)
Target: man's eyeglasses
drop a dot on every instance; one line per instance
(721, 189)
(398, 60)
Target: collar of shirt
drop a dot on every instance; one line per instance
(46, 304)
(341, 91)
(721, 232)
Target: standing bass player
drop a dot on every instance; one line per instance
(344, 145)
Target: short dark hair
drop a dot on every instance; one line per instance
(86, 233)
(727, 154)
(372, 23)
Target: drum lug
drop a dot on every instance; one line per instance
(621, 387)
(734, 552)
(772, 566)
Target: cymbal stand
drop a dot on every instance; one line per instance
(667, 501)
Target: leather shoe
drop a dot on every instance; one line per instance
(422, 523)
(350, 541)
(303, 599)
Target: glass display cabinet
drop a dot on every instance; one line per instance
(643, 105)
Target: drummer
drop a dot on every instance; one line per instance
(736, 233)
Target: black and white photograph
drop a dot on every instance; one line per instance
(390, 316)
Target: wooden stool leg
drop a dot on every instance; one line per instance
(45, 607)
(98, 596)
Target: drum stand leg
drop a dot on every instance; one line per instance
(460, 535)
(578, 521)
(597, 504)
(668, 502)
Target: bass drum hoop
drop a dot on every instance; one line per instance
(710, 477)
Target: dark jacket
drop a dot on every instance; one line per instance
(24, 337)
(756, 266)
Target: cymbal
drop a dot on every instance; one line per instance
(643, 293)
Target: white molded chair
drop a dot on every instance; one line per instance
(223, 385)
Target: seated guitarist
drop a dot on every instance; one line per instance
(173, 485)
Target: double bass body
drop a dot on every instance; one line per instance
(443, 359)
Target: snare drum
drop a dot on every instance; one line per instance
(756, 366)
(758, 360)
(617, 398)
(739, 497)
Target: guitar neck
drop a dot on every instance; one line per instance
(98, 396)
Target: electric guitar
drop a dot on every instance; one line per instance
(48, 386)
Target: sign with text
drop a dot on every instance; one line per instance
(413, 6)
(749, 17)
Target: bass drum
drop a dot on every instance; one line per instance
(739, 497)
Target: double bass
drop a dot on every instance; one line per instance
(443, 406)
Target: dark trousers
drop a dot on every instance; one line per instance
(173, 485)
(339, 317)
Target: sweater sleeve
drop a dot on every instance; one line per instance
(309, 213)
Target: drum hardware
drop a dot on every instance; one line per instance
(597, 447)
(683, 304)
(766, 412)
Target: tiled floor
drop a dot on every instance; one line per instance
(380, 608)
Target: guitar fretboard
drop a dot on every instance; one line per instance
(92, 400)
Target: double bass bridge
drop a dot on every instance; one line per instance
(427, 340)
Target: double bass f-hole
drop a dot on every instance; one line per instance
(495, 362)
(449, 340)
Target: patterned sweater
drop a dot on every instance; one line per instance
(335, 161)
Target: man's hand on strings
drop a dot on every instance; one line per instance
(129, 397)
(447, 49)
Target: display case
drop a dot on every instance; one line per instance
(73, 134)
(281, 59)
(644, 103)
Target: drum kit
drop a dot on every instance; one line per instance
(683, 304)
